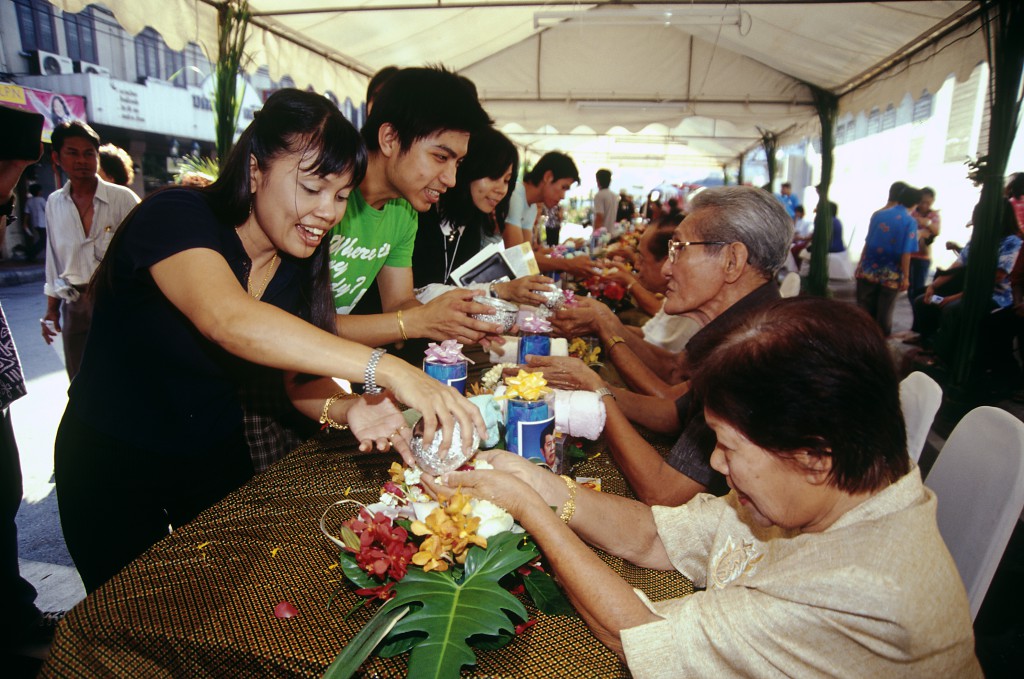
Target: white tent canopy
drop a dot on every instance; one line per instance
(684, 83)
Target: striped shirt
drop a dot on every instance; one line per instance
(70, 255)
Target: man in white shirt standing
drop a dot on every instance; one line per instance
(81, 219)
(606, 202)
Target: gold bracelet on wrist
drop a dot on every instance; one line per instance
(615, 339)
(401, 326)
(569, 508)
(325, 419)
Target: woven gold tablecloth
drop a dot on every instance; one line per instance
(200, 602)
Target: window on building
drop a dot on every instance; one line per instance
(174, 66)
(923, 107)
(874, 121)
(889, 118)
(147, 54)
(80, 32)
(196, 65)
(36, 25)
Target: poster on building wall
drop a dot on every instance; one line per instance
(56, 108)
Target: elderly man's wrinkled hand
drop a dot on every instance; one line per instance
(565, 372)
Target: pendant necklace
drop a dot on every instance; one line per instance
(256, 294)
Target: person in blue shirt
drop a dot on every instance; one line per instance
(788, 200)
(884, 269)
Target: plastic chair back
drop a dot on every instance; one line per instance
(920, 398)
(979, 481)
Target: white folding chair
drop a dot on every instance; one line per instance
(920, 398)
(979, 481)
(790, 286)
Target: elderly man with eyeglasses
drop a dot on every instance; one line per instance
(722, 263)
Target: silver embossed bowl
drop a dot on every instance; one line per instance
(553, 299)
(427, 457)
(504, 313)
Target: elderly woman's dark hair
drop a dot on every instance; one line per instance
(816, 375)
(490, 155)
(291, 121)
(744, 214)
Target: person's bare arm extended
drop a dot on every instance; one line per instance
(445, 317)
(650, 477)
(622, 527)
(200, 284)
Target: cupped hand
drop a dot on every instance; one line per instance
(447, 317)
(503, 489)
(565, 372)
(582, 319)
(378, 423)
(580, 267)
(441, 406)
(521, 290)
(620, 275)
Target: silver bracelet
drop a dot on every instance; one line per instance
(605, 391)
(370, 376)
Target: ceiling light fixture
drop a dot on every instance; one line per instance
(632, 105)
(670, 16)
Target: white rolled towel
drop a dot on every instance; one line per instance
(579, 413)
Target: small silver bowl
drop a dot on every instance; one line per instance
(427, 457)
(553, 299)
(504, 313)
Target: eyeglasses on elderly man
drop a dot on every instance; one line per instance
(676, 246)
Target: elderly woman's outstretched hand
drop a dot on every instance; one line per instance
(514, 484)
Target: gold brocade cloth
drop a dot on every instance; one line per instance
(201, 601)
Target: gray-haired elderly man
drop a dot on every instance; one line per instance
(722, 263)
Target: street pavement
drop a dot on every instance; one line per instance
(43, 555)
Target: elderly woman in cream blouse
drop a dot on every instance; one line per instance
(823, 560)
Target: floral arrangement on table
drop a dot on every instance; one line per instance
(446, 572)
(587, 351)
(610, 293)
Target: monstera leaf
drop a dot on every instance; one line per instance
(442, 613)
(452, 612)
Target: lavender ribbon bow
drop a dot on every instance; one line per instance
(536, 325)
(448, 352)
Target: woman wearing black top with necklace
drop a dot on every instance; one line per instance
(467, 214)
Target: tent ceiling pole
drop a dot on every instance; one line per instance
(504, 4)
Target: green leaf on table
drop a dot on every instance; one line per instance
(453, 612)
(546, 595)
(356, 575)
(398, 644)
(359, 648)
(490, 642)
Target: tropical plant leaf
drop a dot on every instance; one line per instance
(453, 612)
(356, 575)
(487, 642)
(546, 595)
(397, 644)
(361, 646)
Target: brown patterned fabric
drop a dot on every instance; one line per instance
(201, 601)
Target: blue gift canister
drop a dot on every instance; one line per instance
(528, 426)
(452, 374)
(535, 345)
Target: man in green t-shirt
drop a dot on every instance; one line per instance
(416, 134)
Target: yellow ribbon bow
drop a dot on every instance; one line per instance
(526, 386)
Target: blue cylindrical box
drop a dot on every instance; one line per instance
(452, 374)
(535, 345)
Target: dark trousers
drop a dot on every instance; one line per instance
(117, 500)
(17, 594)
(879, 301)
(918, 277)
